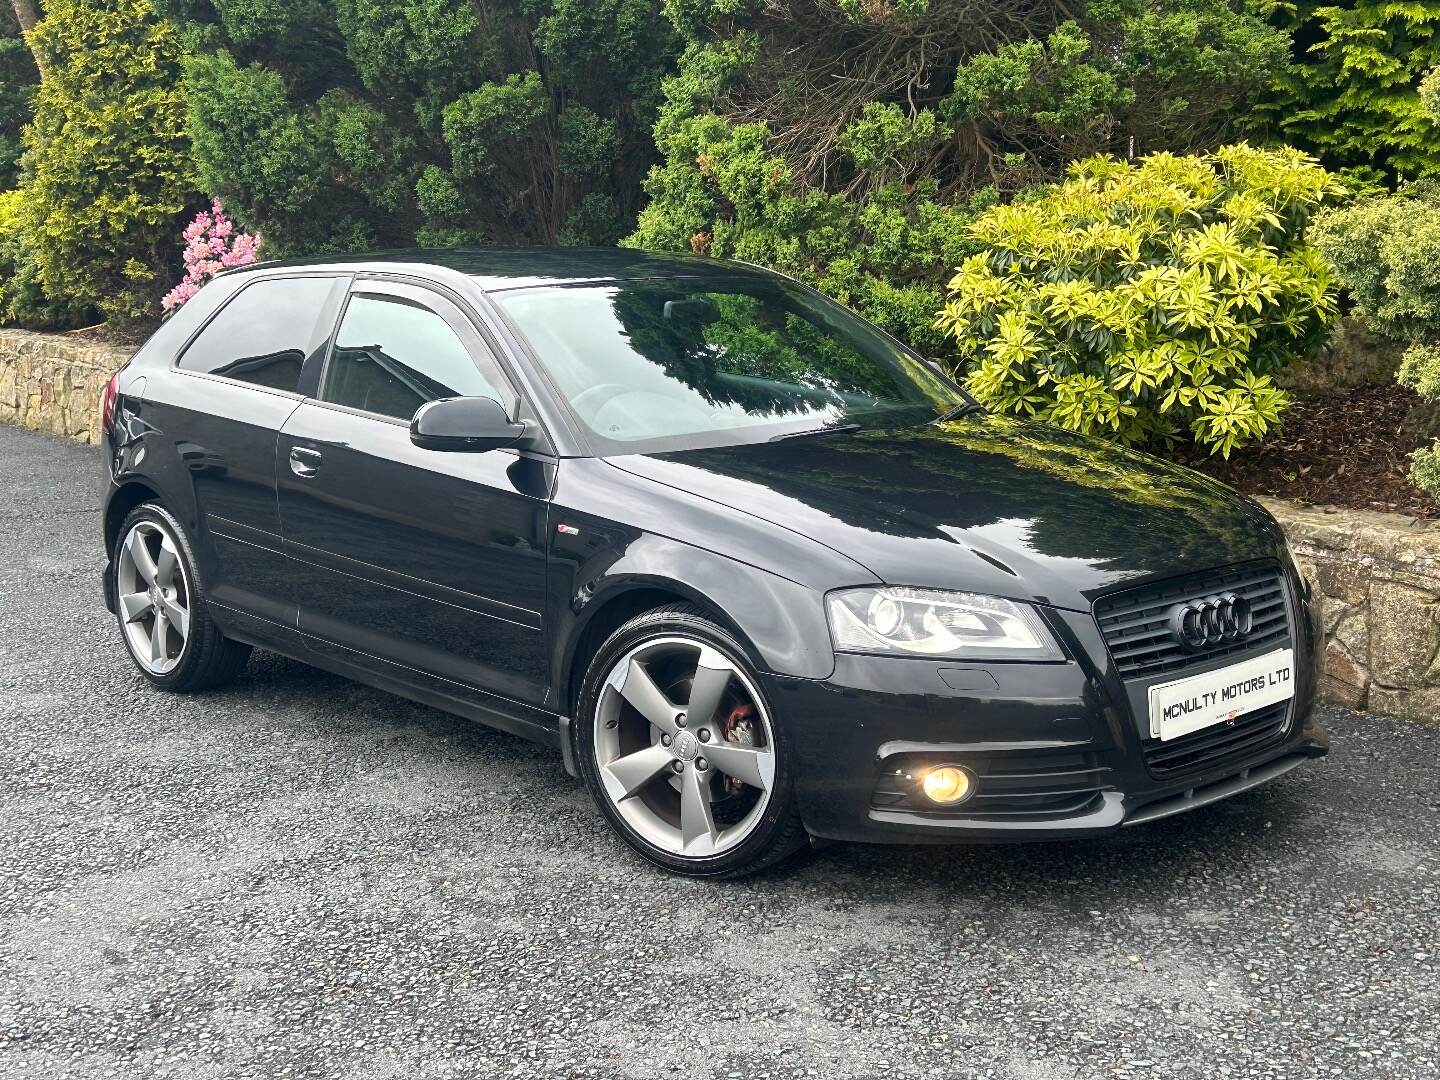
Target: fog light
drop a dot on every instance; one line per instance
(948, 784)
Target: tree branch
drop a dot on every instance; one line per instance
(27, 15)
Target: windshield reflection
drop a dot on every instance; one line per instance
(674, 363)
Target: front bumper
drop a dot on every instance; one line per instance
(1056, 747)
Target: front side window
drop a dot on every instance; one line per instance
(265, 333)
(657, 365)
(393, 354)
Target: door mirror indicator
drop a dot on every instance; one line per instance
(465, 424)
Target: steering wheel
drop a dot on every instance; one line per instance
(590, 401)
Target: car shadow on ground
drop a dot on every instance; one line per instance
(1164, 858)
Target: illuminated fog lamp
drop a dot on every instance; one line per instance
(948, 784)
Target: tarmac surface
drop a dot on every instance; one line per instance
(301, 877)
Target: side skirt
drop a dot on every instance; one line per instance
(537, 726)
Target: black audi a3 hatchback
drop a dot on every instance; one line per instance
(758, 571)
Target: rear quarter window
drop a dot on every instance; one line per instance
(265, 334)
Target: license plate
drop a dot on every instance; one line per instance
(1220, 697)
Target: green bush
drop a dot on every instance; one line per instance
(1386, 251)
(1350, 95)
(1148, 302)
(371, 123)
(107, 165)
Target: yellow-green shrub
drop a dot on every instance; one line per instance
(1149, 302)
(10, 250)
(22, 301)
(106, 158)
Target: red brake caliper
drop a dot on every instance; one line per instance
(739, 728)
(734, 718)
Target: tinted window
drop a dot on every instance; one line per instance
(392, 355)
(659, 365)
(264, 335)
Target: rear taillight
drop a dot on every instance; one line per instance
(107, 403)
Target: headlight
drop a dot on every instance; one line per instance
(929, 622)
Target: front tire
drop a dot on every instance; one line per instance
(681, 750)
(160, 605)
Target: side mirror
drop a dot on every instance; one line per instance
(465, 424)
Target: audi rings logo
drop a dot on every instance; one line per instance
(1213, 620)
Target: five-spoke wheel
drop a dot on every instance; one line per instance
(154, 596)
(683, 751)
(160, 603)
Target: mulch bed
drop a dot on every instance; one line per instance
(1337, 447)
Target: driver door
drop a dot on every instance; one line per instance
(426, 565)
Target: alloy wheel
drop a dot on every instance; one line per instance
(154, 596)
(684, 746)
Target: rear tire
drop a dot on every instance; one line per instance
(682, 752)
(160, 606)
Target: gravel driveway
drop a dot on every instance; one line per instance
(300, 877)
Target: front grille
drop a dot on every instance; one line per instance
(1213, 745)
(1033, 784)
(1137, 630)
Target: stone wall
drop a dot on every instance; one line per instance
(1379, 579)
(53, 383)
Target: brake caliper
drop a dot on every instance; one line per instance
(739, 727)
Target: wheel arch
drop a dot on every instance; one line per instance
(621, 603)
(123, 499)
(780, 624)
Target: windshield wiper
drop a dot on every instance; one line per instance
(965, 408)
(810, 433)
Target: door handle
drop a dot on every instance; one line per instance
(304, 462)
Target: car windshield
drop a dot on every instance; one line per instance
(680, 363)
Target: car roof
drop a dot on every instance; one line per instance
(497, 268)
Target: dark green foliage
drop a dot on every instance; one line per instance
(17, 87)
(1132, 78)
(587, 142)
(1386, 250)
(1351, 97)
(368, 123)
(597, 219)
(251, 150)
(850, 142)
(1049, 81)
(486, 127)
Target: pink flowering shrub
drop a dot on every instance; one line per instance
(211, 245)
